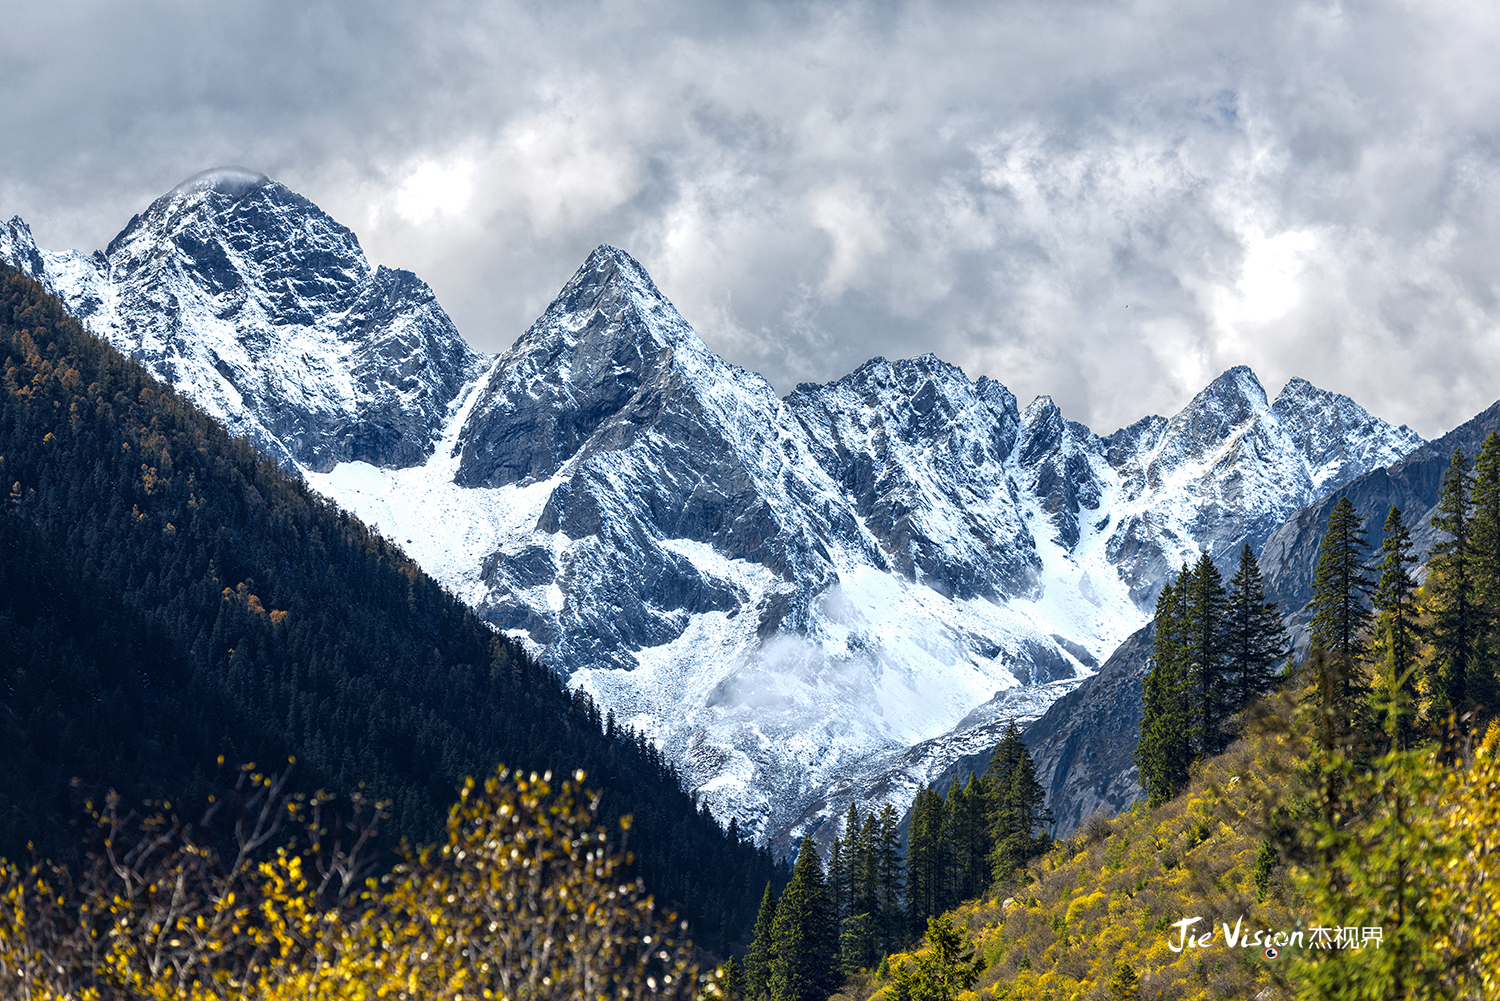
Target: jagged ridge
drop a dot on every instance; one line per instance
(784, 593)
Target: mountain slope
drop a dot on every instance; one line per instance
(167, 595)
(1410, 484)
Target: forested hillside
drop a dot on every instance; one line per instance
(169, 599)
(1337, 838)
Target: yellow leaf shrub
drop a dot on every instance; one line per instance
(526, 898)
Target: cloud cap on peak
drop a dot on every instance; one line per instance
(236, 182)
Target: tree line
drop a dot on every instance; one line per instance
(831, 923)
(1396, 663)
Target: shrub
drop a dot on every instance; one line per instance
(525, 898)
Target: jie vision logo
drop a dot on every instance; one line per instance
(1271, 942)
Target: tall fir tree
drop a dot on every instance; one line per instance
(1164, 751)
(762, 948)
(1396, 633)
(804, 938)
(1485, 545)
(1455, 610)
(849, 868)
(1255, 642)
(1018, 807)
(928, 868)
(838, 878)
(889, 879)
(867, 867)
(966, 826)
(1204, 648)
(1340, 618)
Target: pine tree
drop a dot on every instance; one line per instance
(857, 946)
(1256, 643)
(732, 981)
(1396, 628)
(1485, 545)
(949, 966)
(1265, 863)
(1018, 806)
(966, 826)
(866, 874)
(846, 859)
(1455, 618)
(1124, 985)
(1340, 618)
(758, 960)
(1164, 751)
(1204, 648)
(838, 878)
(803, 935)
(1340, 585)
(889, 878)
(927, 862)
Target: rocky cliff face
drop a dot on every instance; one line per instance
(804, 601)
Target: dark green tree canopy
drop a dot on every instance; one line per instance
(1340, 584)
(804, 939)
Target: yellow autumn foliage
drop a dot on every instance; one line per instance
(525, 898)
(1414, 850)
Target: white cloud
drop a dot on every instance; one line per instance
(435, 189)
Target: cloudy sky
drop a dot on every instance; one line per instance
(1106, 202)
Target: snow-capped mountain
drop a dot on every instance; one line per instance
(247, 297)
(804, 601)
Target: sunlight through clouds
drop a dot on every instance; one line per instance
(435, 189)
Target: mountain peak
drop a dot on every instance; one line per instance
(1236, 384)
(263, 308)
(236, 182)
(1335, 433)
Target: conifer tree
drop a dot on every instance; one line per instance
(1018, 806)
(1164, 751)
(804, 939)
(1340, 618)
(966, 826)
(927, 862)
(1124, 985)
(838, 878)
(1256, 643)
(758, 960)
(848, 859)
(1455, 618)
(1340, 584)
(1396, 628)
(1204, 650)
(732, 981)
(867, 893)
(889, 877)
(1485, 545)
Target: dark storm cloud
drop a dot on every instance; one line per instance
(1106, 202)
